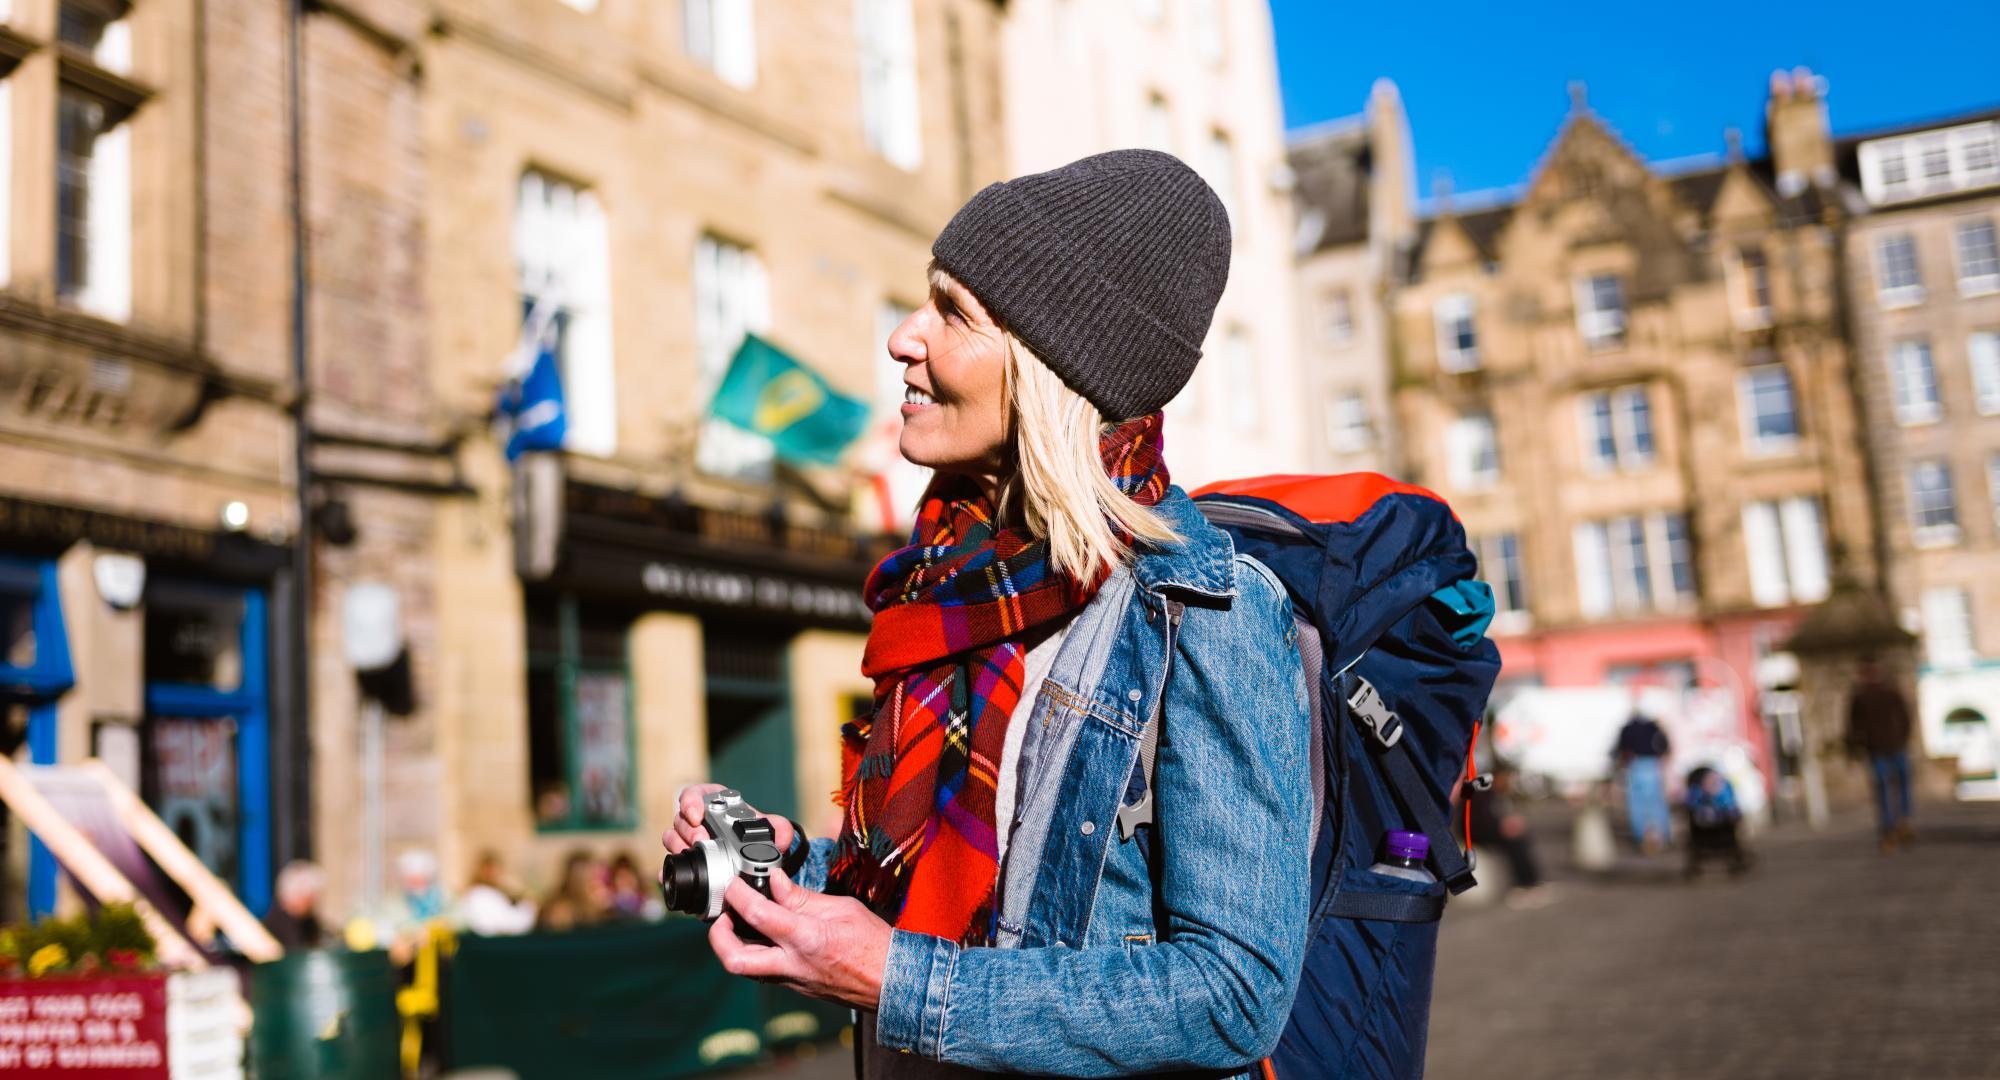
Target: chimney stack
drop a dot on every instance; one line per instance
(1796, 132)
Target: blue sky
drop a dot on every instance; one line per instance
(1484, 83)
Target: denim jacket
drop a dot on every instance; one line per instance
(1118, 966)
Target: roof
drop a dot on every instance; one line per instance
(1482, 226)
(1332, 164)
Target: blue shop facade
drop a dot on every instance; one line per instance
(151, 647)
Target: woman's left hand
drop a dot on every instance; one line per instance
(828, 947)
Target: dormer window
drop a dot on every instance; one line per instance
(1600, 310)
(1457, 333)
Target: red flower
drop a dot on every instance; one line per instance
(123, 959)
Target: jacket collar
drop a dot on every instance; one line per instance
(1204, 561)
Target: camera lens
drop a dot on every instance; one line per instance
(684, 882)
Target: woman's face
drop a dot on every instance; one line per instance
(954, 377)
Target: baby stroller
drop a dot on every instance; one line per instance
(1712, 819)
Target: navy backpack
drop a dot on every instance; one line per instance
(1392, 631)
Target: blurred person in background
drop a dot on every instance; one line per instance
(1878, 727)
(632, 899)
(581, 897)
(491, 905)
(1641, 753)
(1065, 310)
(1713, 822)
(294, 917)
(1495, 822)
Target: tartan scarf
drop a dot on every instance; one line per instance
(955, 614)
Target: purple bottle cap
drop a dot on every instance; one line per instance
(1409, 845)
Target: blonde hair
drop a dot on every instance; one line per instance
(1059, 483)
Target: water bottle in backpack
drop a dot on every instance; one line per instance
(1403, 855)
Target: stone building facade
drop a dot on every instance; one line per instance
(1634, 388)
(1355, 220)
(1923, 282)
(150, 572)
(661, 602)
(1198, 79)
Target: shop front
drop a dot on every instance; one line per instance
(148, 646)
(760, 617)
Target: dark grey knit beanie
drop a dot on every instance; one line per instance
(1109, 268)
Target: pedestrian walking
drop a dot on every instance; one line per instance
(1641, 753)
(294, 919)
(1878, 727)
(1019, 643)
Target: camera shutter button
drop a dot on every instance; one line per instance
(760, 852)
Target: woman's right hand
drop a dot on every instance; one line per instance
(687, 827)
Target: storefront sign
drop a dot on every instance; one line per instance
(45, 524)
(84, 1027)
(697, 558)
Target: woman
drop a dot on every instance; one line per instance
(580, 898)
(981, 907)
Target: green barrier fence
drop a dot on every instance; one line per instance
(325, 1016)
(639, 1002)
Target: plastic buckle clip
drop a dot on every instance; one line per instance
(1374, 712)
(1482, 782)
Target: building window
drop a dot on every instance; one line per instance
(562, 271)
(580, 760)
(1770, 412)
(1337, 316)
(890, 116)
(1786, 542)
(1209, 33)
(722, 36)
(1930, 162)
(1634, 563)
(1456, 316)
(1159, 124)
(1239, 359)
(1618, 428)
(732, 299)
(1347, 428)
(1978, 258)
(1948, 640)
(93, 204)
(1752, 288)
(1222, 176)
(1472, 451)
(1600, 310)
(1933, 504)
(1982, 347)
(1897, 281)
(1993, 483)
(1914, 381)
(1500, 567)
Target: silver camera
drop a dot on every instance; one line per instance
(739, 844)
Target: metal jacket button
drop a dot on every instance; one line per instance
(1089, 827)
(1132, 695)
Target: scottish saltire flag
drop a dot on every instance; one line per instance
(776, 396)
(530, 413)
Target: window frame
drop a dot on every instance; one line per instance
(1937, 533)
(1981, 283)
(1447, 313)
(1750, 299)
(565, 665)
(724, 450)
(1972, 154)
(1465, 471)
(727, 45)
(1959, 597)
(1620, 421)
(1910, 411)
(886, 59)
(1982, 358)
(1337, 316)
(1603, 328)
(561, 252)
(1349, 427)
(1747, 397)
(1888, 293)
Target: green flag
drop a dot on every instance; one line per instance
(776, 396)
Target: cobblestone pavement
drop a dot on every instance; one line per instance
(1828, 960)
